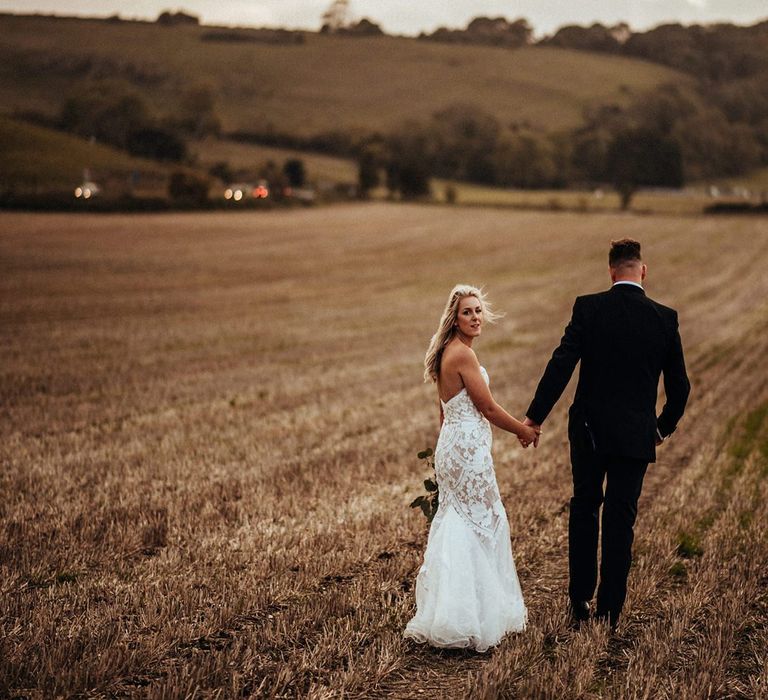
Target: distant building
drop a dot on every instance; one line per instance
(621, 32)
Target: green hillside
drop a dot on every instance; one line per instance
(249, 156)
(325, 83)
(32, 156)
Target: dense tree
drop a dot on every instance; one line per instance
(275, 177)
(362, 28)
(594, 38)
(461, 139)
(195, 116)
(113, 112)
(156, 143)
(410, 177)
(499, 30)
(712, 146)
(663, 108)
(715, 53)
(367, 172)
(493, 31)
(107, 111)
(524, 160)
(641, 157)
(222, 171)
(589, 149)
(185, 186)
(720, 121)
(174, 19)
(293, 169)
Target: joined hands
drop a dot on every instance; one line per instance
(530, 436)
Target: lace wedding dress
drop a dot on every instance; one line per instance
(467, 590)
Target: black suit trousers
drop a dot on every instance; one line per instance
(623, 478)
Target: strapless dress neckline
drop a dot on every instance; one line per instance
(463, 390)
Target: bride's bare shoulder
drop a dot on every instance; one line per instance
(457, 354)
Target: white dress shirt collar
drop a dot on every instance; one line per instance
(636, 284)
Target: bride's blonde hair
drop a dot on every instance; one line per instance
(447, 327)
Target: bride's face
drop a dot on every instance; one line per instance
(470, 316)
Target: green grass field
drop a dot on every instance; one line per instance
(35, 157)
(249, 156)
(327, 83)
(756, 181)
(690, 201)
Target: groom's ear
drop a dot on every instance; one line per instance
(643, 271)
(612, 273)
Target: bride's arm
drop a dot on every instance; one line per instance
(469, 369)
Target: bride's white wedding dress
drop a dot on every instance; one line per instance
(467, 590)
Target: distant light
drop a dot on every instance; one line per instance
(87, 193)
(228, 193)
(78, 192)
(238, 195)
(261, 192)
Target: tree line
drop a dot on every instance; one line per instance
(113, 112)
(644, 145)
(721, 124)
(716, 126)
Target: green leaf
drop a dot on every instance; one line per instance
(425, 509)
(417, 502)
(423, 454)
(430, 485)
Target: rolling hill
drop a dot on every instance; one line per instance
(33, 156)
(321, 84)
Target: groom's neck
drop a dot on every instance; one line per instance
(632, 272)
(635, 280)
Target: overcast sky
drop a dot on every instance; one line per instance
(413, 16)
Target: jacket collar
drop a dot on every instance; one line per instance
(628, 288)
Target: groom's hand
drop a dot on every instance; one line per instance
(536, 427)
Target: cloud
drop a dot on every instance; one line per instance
(242, 12)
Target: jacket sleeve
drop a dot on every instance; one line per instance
(676, 385)
(560, 367)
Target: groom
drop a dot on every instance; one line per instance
(624, 341)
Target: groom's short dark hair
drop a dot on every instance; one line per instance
(624, 251)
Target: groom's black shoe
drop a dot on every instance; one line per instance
(578, 612)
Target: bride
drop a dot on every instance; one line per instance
(467, 590)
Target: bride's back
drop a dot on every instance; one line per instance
(449, 381)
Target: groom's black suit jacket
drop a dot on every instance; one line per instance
(624, 341)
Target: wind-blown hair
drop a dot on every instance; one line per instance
(446, 329)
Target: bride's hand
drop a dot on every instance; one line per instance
(528, 435)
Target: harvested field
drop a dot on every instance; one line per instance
(209, 436)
